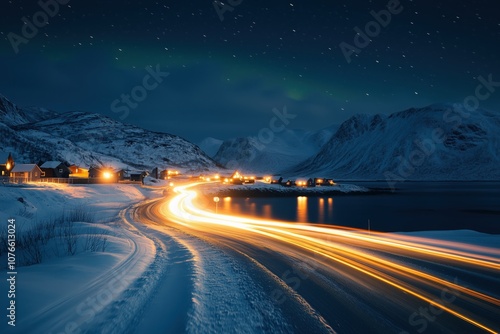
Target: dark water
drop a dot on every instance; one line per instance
(412, 207)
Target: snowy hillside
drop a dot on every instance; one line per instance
(85, 139)
(210, 145)
(10, 114)
(287, 149)
(431, 143)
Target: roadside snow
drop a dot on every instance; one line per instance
(65, 293)
(225, 299)
(222, 296)
(151, 181)
(31, 203)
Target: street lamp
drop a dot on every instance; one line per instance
(216, 200)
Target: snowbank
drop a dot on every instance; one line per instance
(30, 203)
(68, 288)
(151, 181)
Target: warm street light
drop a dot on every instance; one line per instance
(106, 175)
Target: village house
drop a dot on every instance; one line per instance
(108, 174)
(55, 169)
(137, 176)
(167, 174)
(25, 173)
(155, 173)
(310, 183)
(78, 171)
(6, 164)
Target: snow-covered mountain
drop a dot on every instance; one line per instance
(437, 142)
(10, 114)
(34, 134)
(210, 145)
(287, 149)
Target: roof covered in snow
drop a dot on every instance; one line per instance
(51, 164)
(20, 168)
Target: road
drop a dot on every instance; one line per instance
(351, 281)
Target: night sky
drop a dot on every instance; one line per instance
(225, 77)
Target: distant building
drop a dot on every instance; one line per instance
(55, 169)
(138, 176)
(25, 173)
(310, 183)
(78, 171)
(95, 172)
(106, 174)
(6, 164)
(278, 181)
(329, 182)
(155, 173)
(121, 174)
(319, 181)
(168, 173)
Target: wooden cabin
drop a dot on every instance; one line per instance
(78, 171)
(137, 176)
(25, 173)
(55, 169)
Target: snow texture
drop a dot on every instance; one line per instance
(287, 148)
(86, 139)
(438, 142)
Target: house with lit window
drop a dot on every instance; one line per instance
(106, 174)
(78, 171)
(25, 173)
(55, 169)
(6, 164)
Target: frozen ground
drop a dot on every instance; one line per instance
(149, 278)
(65, 292)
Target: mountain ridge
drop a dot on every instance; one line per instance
(287, 148)
(404, 146)
(92, 139)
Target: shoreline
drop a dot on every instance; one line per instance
(289, 192)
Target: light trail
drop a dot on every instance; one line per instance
(348, 247)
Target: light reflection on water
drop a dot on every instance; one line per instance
(418, 207)
(267, 211)
(321, 209)
(322, 205)
(330, 206)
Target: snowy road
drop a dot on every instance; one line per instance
(173, 266)
(305, 278)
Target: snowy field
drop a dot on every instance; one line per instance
(80, 256)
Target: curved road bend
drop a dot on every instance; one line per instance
(349, 280)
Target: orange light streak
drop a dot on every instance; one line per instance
(182, 210)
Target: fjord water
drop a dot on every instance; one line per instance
(413, 206)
